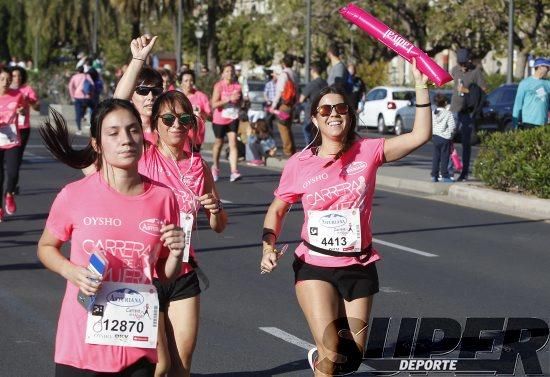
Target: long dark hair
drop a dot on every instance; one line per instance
(22, 71)
(351, 135)
(56, 134)
(171, 98)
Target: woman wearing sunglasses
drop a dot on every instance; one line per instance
(142, 85)
(169, 160)
(334, 266)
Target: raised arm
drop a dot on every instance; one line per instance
(140, 48)
(400, 146)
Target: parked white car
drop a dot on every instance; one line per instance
(381, 104)
(404, 117)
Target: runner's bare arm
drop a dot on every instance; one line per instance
(49, 253)
(140, 47)
(210, 201)
(173, 238)
(272, 226)
(400, 146)
(216, 98)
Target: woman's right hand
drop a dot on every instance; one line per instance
(142, 46)
(88, 282)
(269, 261)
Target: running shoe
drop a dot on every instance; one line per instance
(312, 356)
(255, 163)
(235, 176)
(10, 204)
(78, 133)
(215, 173)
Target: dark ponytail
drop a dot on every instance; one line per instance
(56, 134)
(56, 138)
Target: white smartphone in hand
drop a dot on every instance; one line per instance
(98, 265)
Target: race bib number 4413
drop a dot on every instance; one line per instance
(124, 314)
(335, 230)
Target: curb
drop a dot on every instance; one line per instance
(499, 201)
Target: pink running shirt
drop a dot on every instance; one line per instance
(93, 215)
(347, 183)
(29, 96)
(225, 91)
(9, 103)
(199, 100)
(186, 186)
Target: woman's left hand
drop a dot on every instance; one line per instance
(173, 238)
(419, 77)
(211, 203)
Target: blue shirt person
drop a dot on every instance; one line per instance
(533, 97)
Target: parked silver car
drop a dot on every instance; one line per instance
(404, 117)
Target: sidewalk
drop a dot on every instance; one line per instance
(411, 176)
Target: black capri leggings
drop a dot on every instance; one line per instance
(12, 158)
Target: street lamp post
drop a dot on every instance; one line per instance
(198, 34)
(510, 72)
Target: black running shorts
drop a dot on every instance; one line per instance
(221, 130)
(351, 282)
(183, 287)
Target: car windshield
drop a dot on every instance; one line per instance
(403, 96)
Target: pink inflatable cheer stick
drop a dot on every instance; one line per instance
(396, 42)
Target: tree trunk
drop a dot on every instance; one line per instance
(520, 63)
(212, 52)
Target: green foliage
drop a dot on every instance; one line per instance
(516, 161)
(373, 74)
(494, 81)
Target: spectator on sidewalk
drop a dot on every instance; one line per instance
(338, 75)
(285, 105)
(464, 74)
(310, 92)
(80, 96)
(533, 97)
(357, 86)
(269, 96)
(443, 128)
(260, 145)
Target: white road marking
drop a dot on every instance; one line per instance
(278, 333)
(225, 201)
(283, 335)
(390, 290)
(404, 248)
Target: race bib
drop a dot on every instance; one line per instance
(230, 113)
(335, 230)
(124, 314)
(186, 222)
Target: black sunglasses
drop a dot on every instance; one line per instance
(326, 110)
(145, 90)
(185, 120)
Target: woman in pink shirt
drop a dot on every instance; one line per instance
(30, 99)
(11, 106)
(170, 161)
(334, 265)
(201, 106)
(226, 101)
(104, 213)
